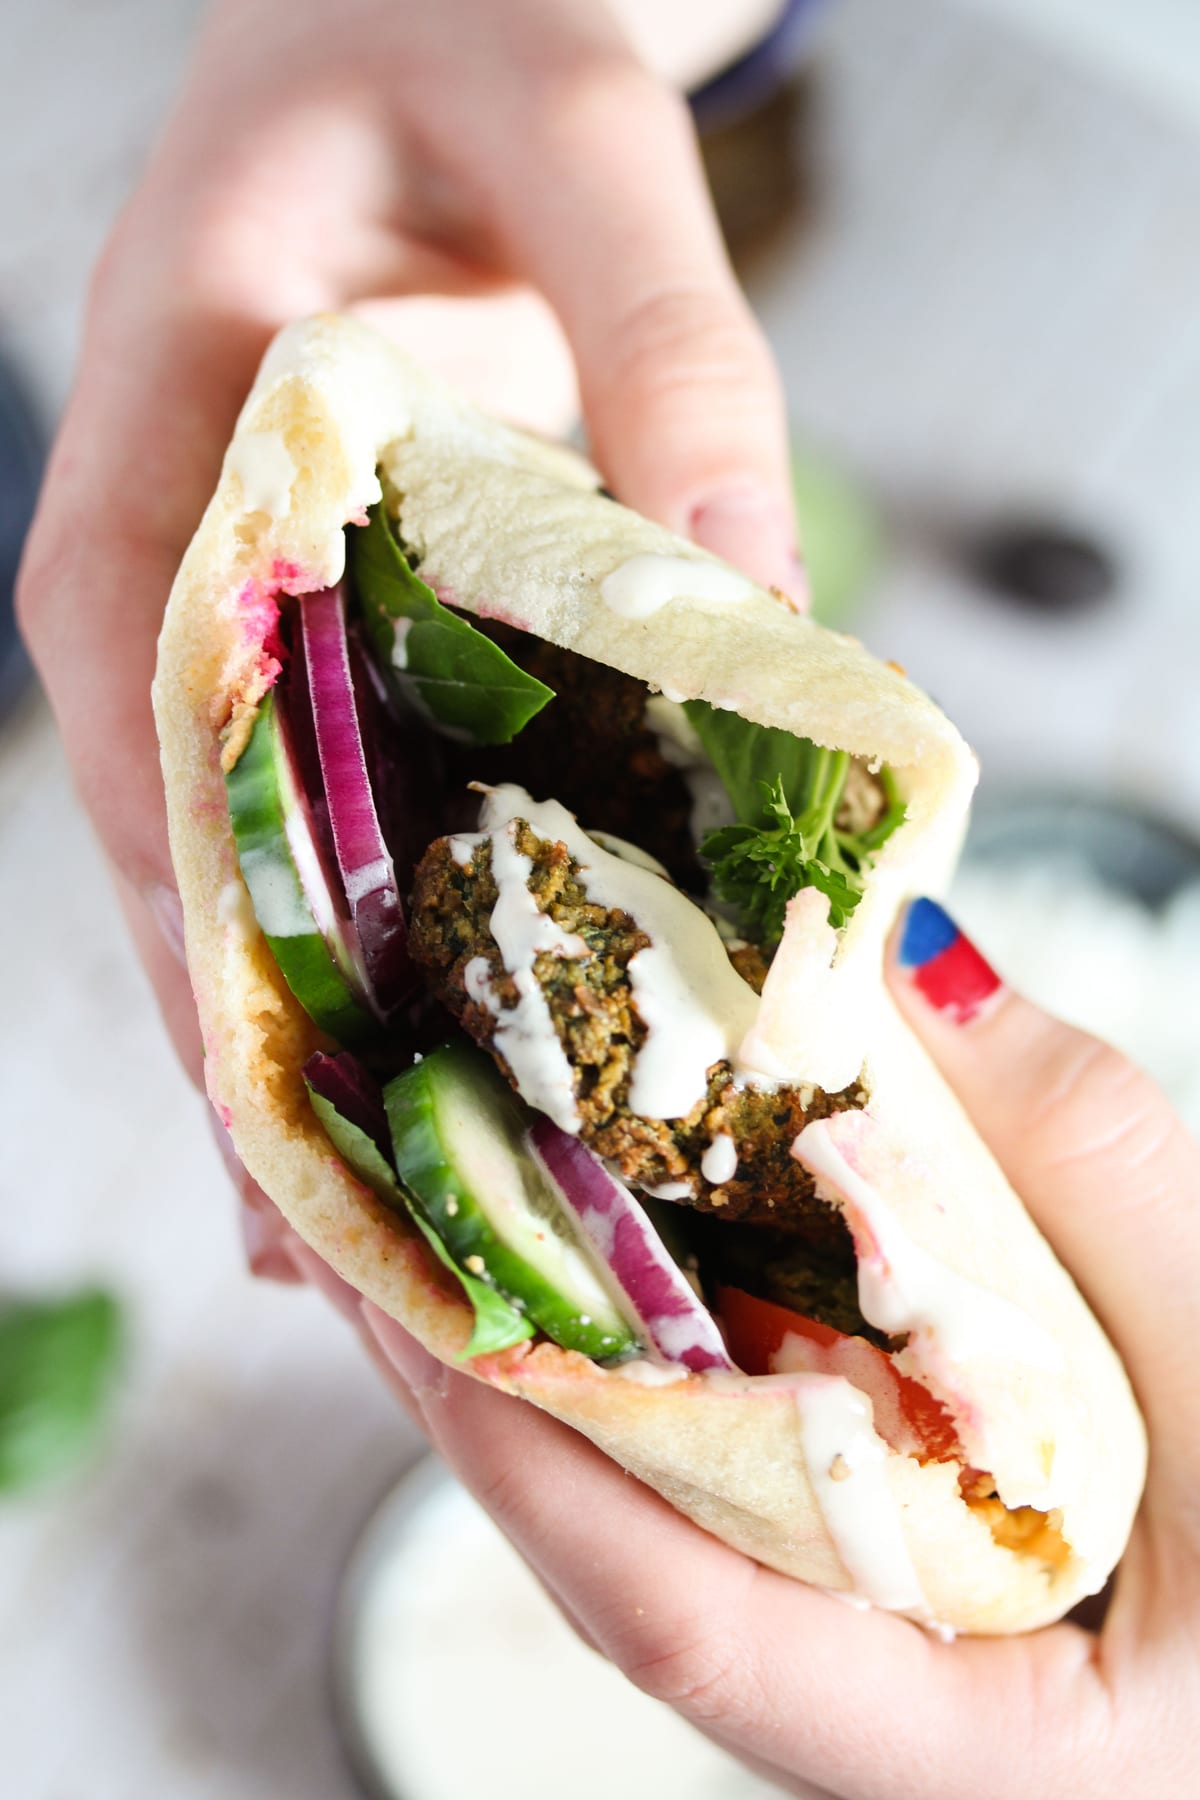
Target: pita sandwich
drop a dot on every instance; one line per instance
(960, 1443)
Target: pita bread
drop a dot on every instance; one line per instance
(511, 527)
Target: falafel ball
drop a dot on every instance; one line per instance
(591, 1004)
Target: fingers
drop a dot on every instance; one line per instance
(1092, 1147)
(681, 396)
(135, 461)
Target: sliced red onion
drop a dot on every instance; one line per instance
(364, 860)
(677, 1324)
(355, 1094)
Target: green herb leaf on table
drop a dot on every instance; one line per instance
(786, 792)
(448, 670)
(498, 1325)
(58, 1364)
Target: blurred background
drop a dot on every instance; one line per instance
(969, 228)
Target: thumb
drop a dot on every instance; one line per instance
(681, 396)
(1092, 1147)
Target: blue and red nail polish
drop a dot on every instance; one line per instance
(945, 967)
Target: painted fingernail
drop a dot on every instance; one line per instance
(425, 1375)
(753, 530)
(944, 966)
(167, 913)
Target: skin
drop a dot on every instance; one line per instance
(371, 157)
(832, 1702)
(374, 158)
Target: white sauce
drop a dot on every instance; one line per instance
(648, 1373)
(813, 1019)
(694, 1004)
(902, 1288)
(462, 849)
(847, 1464)
(719, 1162)
(363, 881)
(525, 1034)
(630, 853)
(235, 910)
(400, 631)
(456, 1651)
(645, 584)
(669, 1190)
(262, 462)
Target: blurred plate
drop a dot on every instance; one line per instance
(1093, 909)
(455, 1674)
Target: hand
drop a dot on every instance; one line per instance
(866, 1706)
(370, 155)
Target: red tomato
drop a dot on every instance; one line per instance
(906, 1415)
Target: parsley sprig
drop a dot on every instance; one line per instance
(787, 792)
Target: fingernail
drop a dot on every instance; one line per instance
(424, 1374)
(750, 528)
(265, 1237)
(167, 912)
(943, 965)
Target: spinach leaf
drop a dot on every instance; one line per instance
(786, 792)
(58, 1361)
(498, 1325)
(436, 660)
(746, 756)
(360, 1153)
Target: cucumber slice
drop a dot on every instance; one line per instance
(459, 1140)
(498, 1326)
(293, 900)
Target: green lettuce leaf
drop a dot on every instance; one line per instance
(360, 1153)
(58, 1364)
(747, 756)
(786, 792)
(438, 662)
(498, 1325)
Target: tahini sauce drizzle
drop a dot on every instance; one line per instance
(847, 1465)
(719, 1162)
(525, 1034)
(903, 1289)
(694, 1004)
(645, 584)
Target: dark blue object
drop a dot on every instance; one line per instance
(747, 84)
(928, 930)
(20, 476)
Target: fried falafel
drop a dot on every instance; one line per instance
(591, 1004)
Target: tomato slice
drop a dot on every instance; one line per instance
(767, 1339)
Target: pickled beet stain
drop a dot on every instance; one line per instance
(258, 605)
